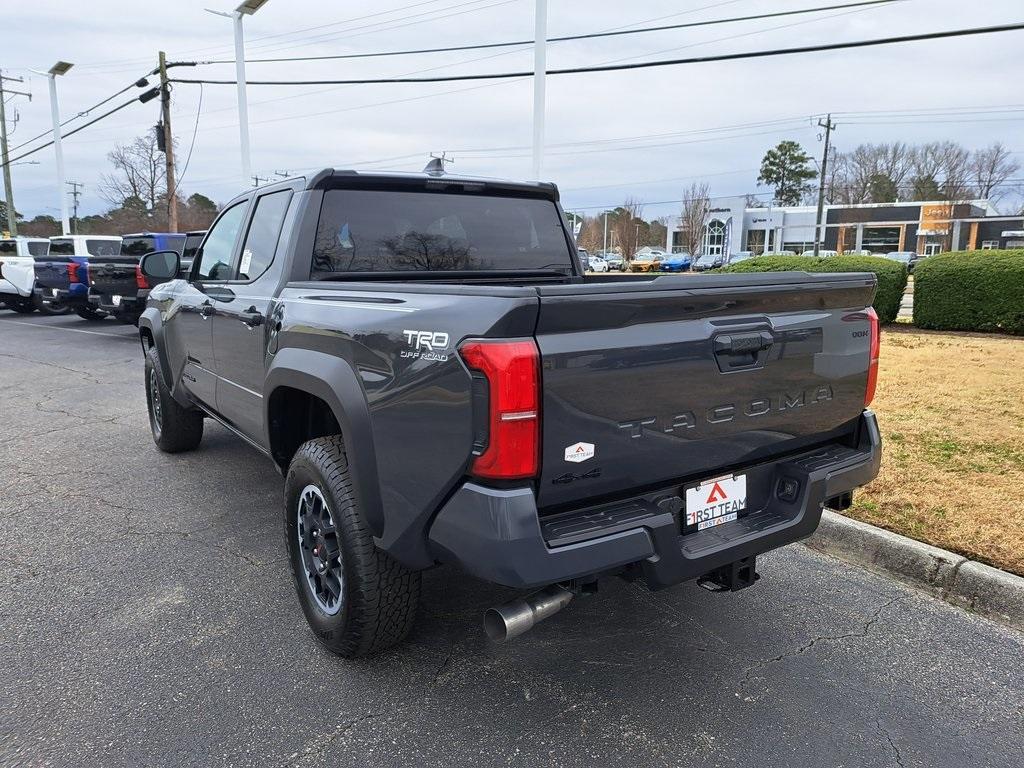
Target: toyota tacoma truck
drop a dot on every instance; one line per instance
(62, 275)
(17, 271)
(422, 359)
(116, 284)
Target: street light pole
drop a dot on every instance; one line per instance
(243, 104)
(539, 82)
(247, 8)
(60, 68)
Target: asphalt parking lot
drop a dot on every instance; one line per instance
(147, 618)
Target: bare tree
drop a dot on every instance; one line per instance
(990, 168)
(139, 172)
(624, 223)
(860, 175)
(694, 216)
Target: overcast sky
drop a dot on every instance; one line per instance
(720, 118)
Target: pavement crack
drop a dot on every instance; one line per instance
(322, 743)
(85, 374)
(750, 673)
(897, 755)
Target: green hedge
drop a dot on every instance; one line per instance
(892, 275)
(971, 291)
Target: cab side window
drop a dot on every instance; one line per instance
(215, 263)
(261, 239)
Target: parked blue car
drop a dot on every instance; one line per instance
(676, 262)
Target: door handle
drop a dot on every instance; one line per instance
(251, 317)
(206, 310)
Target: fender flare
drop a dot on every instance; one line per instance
(333, 380)
(150, 320)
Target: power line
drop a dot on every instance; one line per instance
(83, 113)
(566, 38)
(643, 64)
(150, 94)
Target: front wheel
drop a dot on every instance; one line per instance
(174, 428)
(357, 599)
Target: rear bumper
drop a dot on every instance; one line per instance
(127, 305)
(75, 295)
(497, 535)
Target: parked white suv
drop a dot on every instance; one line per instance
(18, 272)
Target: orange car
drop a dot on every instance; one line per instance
(645, 262)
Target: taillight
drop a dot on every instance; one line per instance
(512, 370)
(869, 393)
(72, 271)
(140, 279)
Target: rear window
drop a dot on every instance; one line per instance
(192, 243)
(137, 246)
(103, 247)
(63, 247)
(9, 247)
(38, 249)
(395, 231)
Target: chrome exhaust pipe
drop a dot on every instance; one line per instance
(519, 616)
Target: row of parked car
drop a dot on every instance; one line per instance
(654, 260)
(94, 276)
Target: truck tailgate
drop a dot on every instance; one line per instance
(673, 380)
(113, 275)
(53, 271)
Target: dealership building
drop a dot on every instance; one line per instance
(924, 227)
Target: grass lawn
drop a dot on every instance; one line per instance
(951, 410)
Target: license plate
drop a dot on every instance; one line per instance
(716, 501)
(116, 300)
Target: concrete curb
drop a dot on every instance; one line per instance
(965, 583)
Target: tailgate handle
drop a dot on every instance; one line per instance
(741, 351)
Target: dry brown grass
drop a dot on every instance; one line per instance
(951, 410)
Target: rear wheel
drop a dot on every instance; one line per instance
(174, 428)
(90, 313)
(21, 304)
(51, 307)
(356, 598)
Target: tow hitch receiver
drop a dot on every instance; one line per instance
(732, 577)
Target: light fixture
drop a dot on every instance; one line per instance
(249, 7)
(60, 68)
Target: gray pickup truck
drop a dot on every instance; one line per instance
(422, 358)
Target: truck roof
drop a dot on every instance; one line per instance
(85, 237)
(338, 177)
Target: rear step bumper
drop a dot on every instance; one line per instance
(497, 534)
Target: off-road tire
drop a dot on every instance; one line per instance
(379, 595)
(50, 308)
(90, 313)
(175, 429)
(22, 305)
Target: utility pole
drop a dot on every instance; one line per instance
(75, 185)
(819, 225)
(540, 41)
(606, 233)
(12, 222)
(165, 114)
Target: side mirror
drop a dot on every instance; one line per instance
(160, 266)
